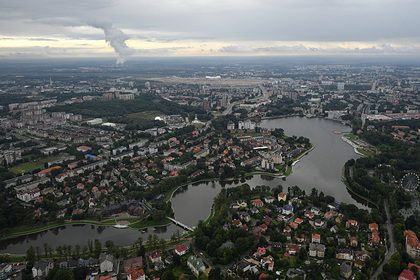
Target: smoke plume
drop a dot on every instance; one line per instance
(116, 39)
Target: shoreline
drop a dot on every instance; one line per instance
(353, 192)
(354, 145)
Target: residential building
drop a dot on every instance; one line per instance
(412, 244)
(136, 274)
(106, 263)
(407, 274)
(196, 265)
(42, 268)
(181, 249)
(346, 270)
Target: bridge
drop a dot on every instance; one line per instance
(178, 223)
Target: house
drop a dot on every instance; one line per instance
(293, 225)
(281, 196)
(334, 229)
(155, 257)
(246, 266)
(351, 223)
(319, 223)
(269, 199)
(254, 210)
(181, 249)
(343, 254)
(373, 227)
(346, 270)
(412, 244)
(359, 264)
(42, 268)
(292, 249)
(263, 276)
(329, 215)
(300, 238)
(316, 211)
(106, 263)
(341, 241)
(309, 214)
(316, 250)
(287, 209)
(316, 238)
(257, 202)
(237, 223)
(240, 204)
(261, 251)
(136, 274)
(353, 241)
(407, 275)
(5, 271)
(132, 263)
(375, 238)
(245, 216)
(196, 265)
(268, 263)
(263, 228)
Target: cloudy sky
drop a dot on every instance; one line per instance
(125, 28)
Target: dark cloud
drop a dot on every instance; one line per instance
(379, 21)
(302, 20)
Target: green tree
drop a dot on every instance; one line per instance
(30, 256)
(97, 248)
(60, 274)
(214, 274)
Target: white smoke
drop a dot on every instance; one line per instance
(116, 39)
(113, 36)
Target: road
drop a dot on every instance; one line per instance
(392, 249)
(228, 110)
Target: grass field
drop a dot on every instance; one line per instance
(32, 165)
(144, 224)
(147, 115)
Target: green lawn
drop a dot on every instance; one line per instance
(351, 136)
(146, 223)
(147, 115)
(368, 151)
(32, 165)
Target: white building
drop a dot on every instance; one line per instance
(29, 195)
(246, 125)
(95, 121)
(106, 263)
(230, 126)
(267, 164)
(340, 86)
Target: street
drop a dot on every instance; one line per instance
(392, 248)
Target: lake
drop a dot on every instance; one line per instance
(321, 169)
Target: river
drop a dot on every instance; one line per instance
(321, 168)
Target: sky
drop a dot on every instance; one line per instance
(130, 28)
